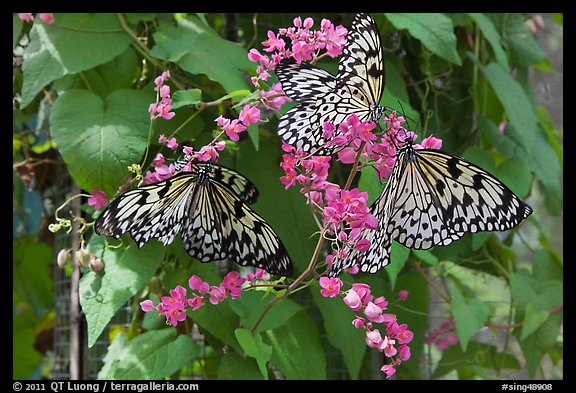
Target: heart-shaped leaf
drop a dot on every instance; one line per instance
(99, 139)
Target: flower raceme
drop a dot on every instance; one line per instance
(305, 44)
(391, 339)
(174, 307)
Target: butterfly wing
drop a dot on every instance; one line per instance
(378, 255)
(152, 211)
(323, 97)
(304, 82)
(247, 238)
(211, 214)
(442, 196)
(361, 67)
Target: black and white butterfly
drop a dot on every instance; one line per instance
(209, 207)
(432, 199)
(323, 97)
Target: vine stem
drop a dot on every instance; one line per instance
(315, 255)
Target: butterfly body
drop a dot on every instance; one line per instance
(432, 199)
(209, 208)
(324, 97)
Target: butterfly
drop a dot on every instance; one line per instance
(431, 199)
(209, 207)
(323, 97)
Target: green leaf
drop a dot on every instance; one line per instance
(546, 294)
(25, 359)
(199, 50)
(285, 211)
(17, 24)
(351, 342)
(233, 366)
(414, 312)
(426, 256)
(186, 97)
(522, 46)
(76, 43)
(99, 139)
(398, 257)
(297, 350)
(119, 73)
(516, 102)
(435, 31)
(469, 315)
(126, 271)
(251, 304)
(533, 319)
(31, 274)
(370, 183)
(492, 36)
(478, 354)
(219, 320)
(155, 354)
(253, 346)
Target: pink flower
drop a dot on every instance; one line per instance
(347, 155)
(400, 332)
(249, 115)
(363, 290)
(196, 284)
(373, 313)
(217, 294)
(358, 322)
(352, 300)
(502, 126)
(26, 17)
(98, 199)
(404, 352)
(363, 245)
(172, 144)
(373, 338)
(389, 370)
(196, 302)
(302, 51)
(175, 312)
(233, 129)
(257, 275)
(232, 281)
(387, 346)
(331, 286)
(403, 295)
(207, 153)
(158, 160)
(273, 43)
(429, 143)
(178, 293)
(147, 305)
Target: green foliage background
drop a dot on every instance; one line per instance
(82, 88)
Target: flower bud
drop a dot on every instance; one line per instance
(64, 257)
(95, 264)
(83, 257)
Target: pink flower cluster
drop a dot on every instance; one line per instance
(174, 307)
(345, 212)
(46, 17)
(305, 44)
(444, 336)
(160, 172)
(393, 340)
(248, 115)
(274, 98)
(163, 105)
